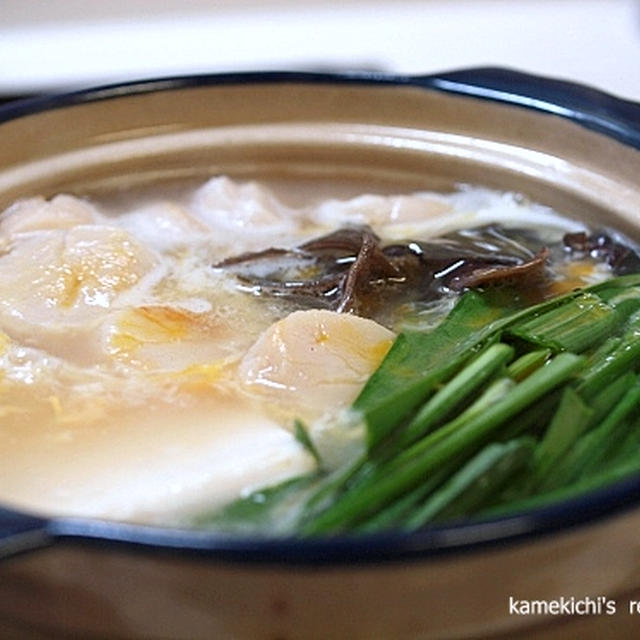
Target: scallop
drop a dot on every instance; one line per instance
(382, 212)
(162, 224)
(37, 214)
(57, 285)
(315, 360)
(166, 337)
(243, 216)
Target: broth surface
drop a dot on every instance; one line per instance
(142, 381)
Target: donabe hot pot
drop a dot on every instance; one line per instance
(568, 146)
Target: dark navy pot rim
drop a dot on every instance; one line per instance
(603, 113)
(20, 532)
(594, 109)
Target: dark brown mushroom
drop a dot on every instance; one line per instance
(600, 246)
(528, 272)
(349, 270)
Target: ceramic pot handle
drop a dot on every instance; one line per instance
(20, 532)
(588, 107)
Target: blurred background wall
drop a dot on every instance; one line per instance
(48, 45)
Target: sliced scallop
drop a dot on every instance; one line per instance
(37, 214)
(314, 361)
(56, 286)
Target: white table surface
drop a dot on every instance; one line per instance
(57, 44)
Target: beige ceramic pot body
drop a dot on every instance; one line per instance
(88, 579)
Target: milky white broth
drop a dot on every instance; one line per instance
(140, 383)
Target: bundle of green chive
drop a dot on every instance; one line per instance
(502, 408)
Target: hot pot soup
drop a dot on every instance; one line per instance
(229, 356)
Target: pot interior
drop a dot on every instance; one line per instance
(322, 136)
(319, 138)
